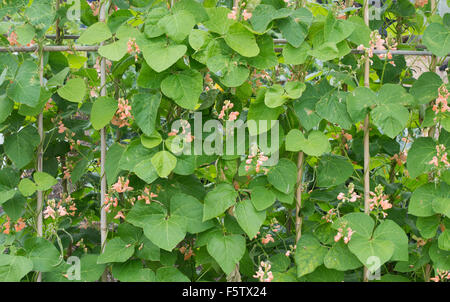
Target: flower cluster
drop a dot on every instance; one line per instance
(18, 226)
(267, 239)
(345, 233)
(12, 39)
(147, 195)
(121, 186)
(275, 226)
(123, 114)
(264, 274)
(260, 159)
(441, 103)
(291, 250)
(233, 15)
(351, 195)
(441, 276)
(377, 43)
(227, 106)
(330, 215)
(64, 207)
(133, 48)
(440, 160)
(187, 252)
(379, 201)
(420, 3)
(185, 135)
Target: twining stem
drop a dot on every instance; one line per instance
(40, 158)
(103, 222)
(298, 219)
(366, 133)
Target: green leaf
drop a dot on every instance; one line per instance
(170, 274)
(340, 258)
(264, 14)
(198, 38)
(218, 200)
(325, 51)
(359, 101)
(309, 254)
(159, 55)
(184, 88)
(283, 176)
(315, 145)
(25, 88)
(6, 107)
(114, 51)
(275, 96)
(19, 147)
(102, 112)
(151, 141)
(227, 250)
(116, 250)
(336, 30)
(90, 270)
(425, 89)
(74, 90)
(332, 107)
(441, 205)
(177, 26)
(436, 38)
(249, 219)
(441, 258)
(427, 195)
(262, 198)
(95, 33)
(44, 181)
(43, 253)
(242, 40)
(428, 225)
(333, 170)
(192, 210)
(218, 20)
(165, 231)
(294, 32)
(132, 271)
(421, 153)
(389, 230)
(360, 223)
(26, 187)
(145, 111)
(113, 156)
(296, 56)
(259, 112)
(164, 162)
(267, 58)
(14, 268)
(444, 240)
(373, 253)
(391, 119)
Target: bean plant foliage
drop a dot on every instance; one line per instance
(216, 216)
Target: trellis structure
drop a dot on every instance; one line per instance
(94, 48)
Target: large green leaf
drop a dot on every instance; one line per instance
(283, 176)
(116, 250)
(316, 144)
(25, 88)
(165, 231)
(340, 258)
(336, 30)
(389, 230)
(421, 153)
(227, 250)
(242, 40)
(262, 198)
(184, 88)
(436, 38)
(373, 253)
(145, 110)
(333, 170)
(427, 195)
(309, 254)
(159, 55)
(95, 33)
(102, 112)
(74, 90)
(132, 271)
(218, 200)
(249, 219)
(191, 209)
(425, 89)
(177, 26)
(164, 162)
(19, 147)
(14, 268)
(218, 20)
(43, 253)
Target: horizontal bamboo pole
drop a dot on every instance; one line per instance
(54, 48)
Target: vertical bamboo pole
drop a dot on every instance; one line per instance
(298, 219)
(366, 133)
(103, 222)
(40, 158)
